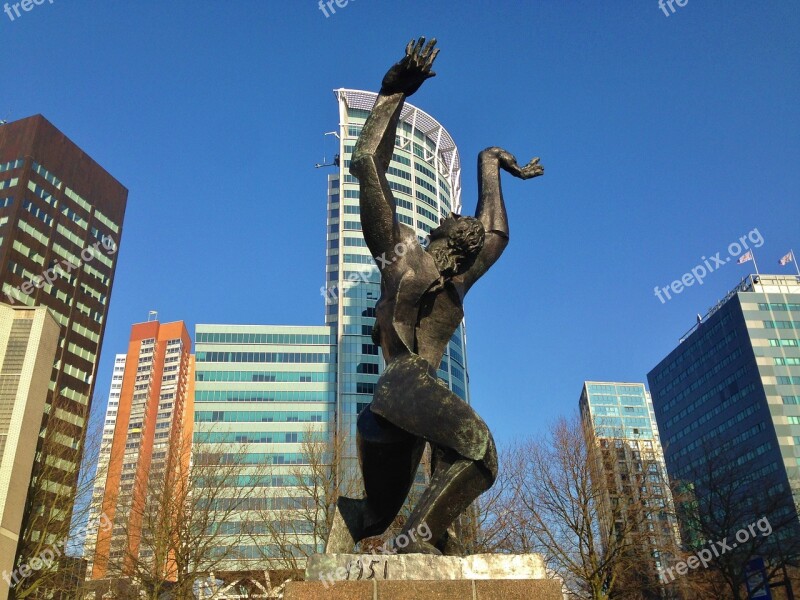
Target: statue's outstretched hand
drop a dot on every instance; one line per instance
(509, 163)
(413, 69)
(531, 170)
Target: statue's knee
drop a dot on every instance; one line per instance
(490, 462)
(361, 163)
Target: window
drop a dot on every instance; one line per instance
(791, 361)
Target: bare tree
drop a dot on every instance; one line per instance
(562, 509)
(492, 524)
(296, 526)
(730, 515)
(43, 568)
(186, 528)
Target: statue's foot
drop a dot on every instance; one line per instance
(417, 547)
(340, 540)
(450, 544)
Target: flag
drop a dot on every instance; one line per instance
(745, 258)
(786, 259)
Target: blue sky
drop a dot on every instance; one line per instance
(664, 140)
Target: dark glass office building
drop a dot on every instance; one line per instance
(727, 403)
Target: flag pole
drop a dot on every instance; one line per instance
(794, 260)
(755, 264)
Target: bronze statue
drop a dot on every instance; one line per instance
(421, 305)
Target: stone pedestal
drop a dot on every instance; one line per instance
(420, 576)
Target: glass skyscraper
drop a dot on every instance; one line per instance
(727, 401)
(425, 178)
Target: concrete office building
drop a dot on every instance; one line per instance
(623, 441)
(264, 389)
(28, 343)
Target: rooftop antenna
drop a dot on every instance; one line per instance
(325, 162)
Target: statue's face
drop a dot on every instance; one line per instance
(456, 243)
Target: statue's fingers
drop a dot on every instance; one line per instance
(420, 46)
(429, 48)
(432, 58)
(410, 47)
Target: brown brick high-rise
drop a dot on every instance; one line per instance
(60, 225)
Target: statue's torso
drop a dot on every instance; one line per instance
(438, 316)
(416, 313)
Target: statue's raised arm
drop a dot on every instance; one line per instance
(373, 151)
(491, 209)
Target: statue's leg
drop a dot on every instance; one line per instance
(389, 460)
(456, 483)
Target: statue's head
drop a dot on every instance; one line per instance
(456, 243)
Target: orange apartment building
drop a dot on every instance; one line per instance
(150, 412)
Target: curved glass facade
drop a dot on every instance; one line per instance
(425, 177)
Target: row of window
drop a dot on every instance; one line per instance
(37, 212)
(778, 306)
(428, 214)
(779, 343)
(791, 361)
(262, 396)
(249, 437)
(782, 324)
(615, 410)
(262, 338)
(259, 416)
(14, 164)
(265, 376)
(260, 528)
(263, 357)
